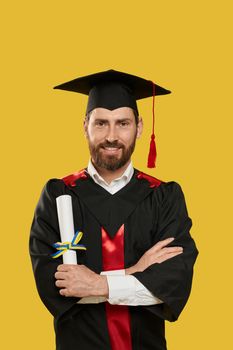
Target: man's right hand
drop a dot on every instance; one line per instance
(156, 254)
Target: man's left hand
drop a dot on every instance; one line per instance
(80, 281)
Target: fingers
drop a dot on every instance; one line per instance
(163, 254)
(168, 250)
(167, 256)
(65, 267)
(161, 244)
(60, 275)
(64, 292)
(165, 242)
(61, 283)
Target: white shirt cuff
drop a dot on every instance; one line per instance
(128, 290)
(121, 288)
(113, 272)
(124, 290)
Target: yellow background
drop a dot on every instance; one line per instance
(186, 46)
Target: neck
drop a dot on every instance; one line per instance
(110, 175)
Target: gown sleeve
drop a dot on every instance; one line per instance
(171, 280)
(44, 232)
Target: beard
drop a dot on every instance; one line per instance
(110, 161)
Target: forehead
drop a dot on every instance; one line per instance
(121, 112)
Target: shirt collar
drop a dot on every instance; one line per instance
(127, 175)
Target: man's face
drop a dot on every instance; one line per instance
(112, 136)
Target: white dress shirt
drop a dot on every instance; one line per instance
(123, 289)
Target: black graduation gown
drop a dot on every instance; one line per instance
(151, 211)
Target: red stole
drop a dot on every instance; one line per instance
(118, 317)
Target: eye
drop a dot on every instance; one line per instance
(124, 124)
(100, 123)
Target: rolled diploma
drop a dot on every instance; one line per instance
(66, 226)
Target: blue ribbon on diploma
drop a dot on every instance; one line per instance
(62, 247)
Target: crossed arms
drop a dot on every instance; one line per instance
(62, 286)
(80, 281)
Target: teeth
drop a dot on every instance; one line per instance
(111, 148)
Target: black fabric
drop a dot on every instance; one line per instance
(149, 215)
(111, 95)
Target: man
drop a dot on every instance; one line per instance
(136, 271)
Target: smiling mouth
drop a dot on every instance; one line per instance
(111, 149)
(106, 147)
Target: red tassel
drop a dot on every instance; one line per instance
(152, 153)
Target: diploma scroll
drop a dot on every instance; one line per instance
(66, 226)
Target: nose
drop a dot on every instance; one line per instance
(111, 135)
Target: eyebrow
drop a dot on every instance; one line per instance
(118, 120)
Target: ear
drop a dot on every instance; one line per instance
(85, 125)
(139, 127)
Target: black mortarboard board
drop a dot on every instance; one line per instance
(112, 89)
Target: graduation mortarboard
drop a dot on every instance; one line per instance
(112, 89)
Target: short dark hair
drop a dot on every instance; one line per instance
(134, 112)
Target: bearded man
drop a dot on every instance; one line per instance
(137, 269)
